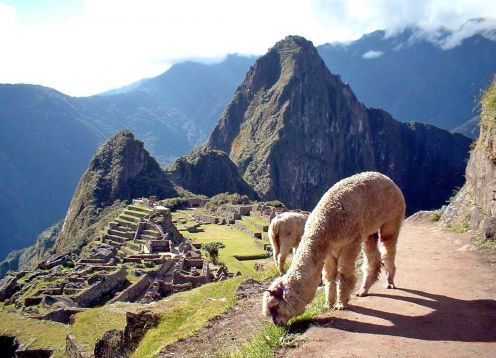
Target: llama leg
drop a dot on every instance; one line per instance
(329, 275)
(281, 260)
(389, 238)
(346, 274)
(371, 266)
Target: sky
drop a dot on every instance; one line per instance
(84, 47)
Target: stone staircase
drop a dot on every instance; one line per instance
(121, 231)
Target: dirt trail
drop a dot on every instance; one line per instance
(445, 305)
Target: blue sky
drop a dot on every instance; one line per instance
(82, 47)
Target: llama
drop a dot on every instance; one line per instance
(285, 232)
(352, 212)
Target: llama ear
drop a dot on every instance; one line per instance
(278, 291)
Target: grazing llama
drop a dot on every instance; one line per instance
(350, 214)
(285, 231)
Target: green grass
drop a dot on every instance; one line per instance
(256, 220)
(236, 243)
(35, 333)
(460, 227)
(270, 337)
(435, 216)
(92, 324)
(185, 313)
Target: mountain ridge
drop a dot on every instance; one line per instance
(294, 129)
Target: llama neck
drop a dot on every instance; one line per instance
(304, 275)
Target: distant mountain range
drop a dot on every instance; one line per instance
(47, 138)
(412, 77)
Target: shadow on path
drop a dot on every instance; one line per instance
(450, 320)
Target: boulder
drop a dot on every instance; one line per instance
(8, 286)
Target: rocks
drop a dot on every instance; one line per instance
(489, 228)
(8, 286)
(137, 324)
(111, 345)
(422, 216)
(475, 204)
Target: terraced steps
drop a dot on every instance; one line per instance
(136, 214)
(116, 238)
(151, 232)
(140, 208)
(129, 218)
(149, 237)
(121, 233)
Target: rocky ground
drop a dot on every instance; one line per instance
(444, 306)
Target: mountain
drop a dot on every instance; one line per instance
(44, 144)
(294, 129)
(172, 112)
(474, 206)
(120, 170)
(208, 172)
(47, 138)
(415, 76)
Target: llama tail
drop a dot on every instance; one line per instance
(274, 238)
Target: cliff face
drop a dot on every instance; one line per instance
(208, 172)
(474, 206)
(294, 129)
(120, 170)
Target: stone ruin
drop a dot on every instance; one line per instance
(140, 242)
(266, 211)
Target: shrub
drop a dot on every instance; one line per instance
(436, 215)
(213, 250)
(174, 203)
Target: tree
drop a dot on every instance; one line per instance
(213, 250)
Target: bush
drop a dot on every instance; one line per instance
(174, 203)
(213, 250)
(436, 215)
(226, 198)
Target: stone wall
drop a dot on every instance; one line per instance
(94, 293)
(139, 287)
(72, 350)
(206, 219)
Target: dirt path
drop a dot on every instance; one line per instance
(445, 306)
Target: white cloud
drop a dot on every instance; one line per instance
(115, 42)
(372, 54)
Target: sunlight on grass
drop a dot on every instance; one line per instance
(270, 337)
(35, 333)
(236, 243)
(183, 314)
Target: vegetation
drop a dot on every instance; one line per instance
(174, 203)
(35, 333)
(92, 324)
(269, 337)
(226, 198)
(488, 104)
(183, 314)
(213, 249)
(460, 227)
(436, 215)
(235, 243)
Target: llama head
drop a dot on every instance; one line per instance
(274, 303)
